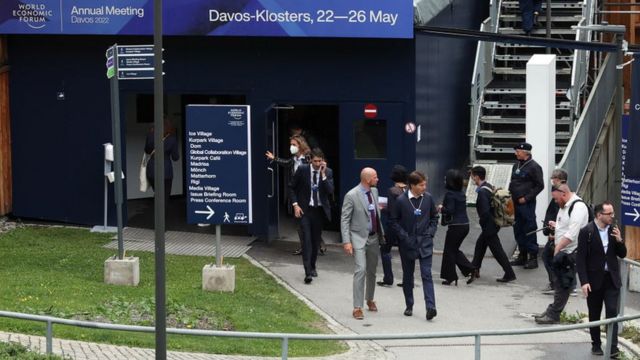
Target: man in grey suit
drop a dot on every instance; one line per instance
(362, 236)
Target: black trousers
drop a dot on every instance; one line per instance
(452, 255)
(311, 224)
(607, 294)
(167, 187)
(492, 241)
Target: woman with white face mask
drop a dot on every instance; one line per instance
(299, 155)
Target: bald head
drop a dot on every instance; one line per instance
(368, 177)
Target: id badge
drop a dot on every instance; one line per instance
(314, 187)
(417, 212)
(371, 207)
(517, 171)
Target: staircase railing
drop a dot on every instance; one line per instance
(580, 68)
(582, 144)
(482, 71)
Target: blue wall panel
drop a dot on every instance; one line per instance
(57, 153)
(443, 79)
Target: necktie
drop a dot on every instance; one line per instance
(372, 214)
(316, 200)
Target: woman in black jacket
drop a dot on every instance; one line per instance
(454, 214)
(171, 153)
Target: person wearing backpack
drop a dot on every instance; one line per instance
(567, 227)
(600, 244)
(489, 235)
(526, 183)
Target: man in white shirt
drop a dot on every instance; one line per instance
(567, 227)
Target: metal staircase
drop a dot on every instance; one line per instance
(498, 96)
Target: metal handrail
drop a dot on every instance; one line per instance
(285, 337)
(580, 66)
(582, 144)
(482, 71)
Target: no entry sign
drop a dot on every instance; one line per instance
(370, 111)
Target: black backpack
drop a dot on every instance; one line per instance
(589, 209)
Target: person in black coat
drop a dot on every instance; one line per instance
(454, 215)
(526, 183)
(399, 178)
(312, 210)
(558, 177)
(414, 219)
(170, 153)
(489, 235)
(600, 244)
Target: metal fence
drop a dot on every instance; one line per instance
(582, 144)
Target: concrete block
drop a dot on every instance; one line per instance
(634, 278)
(221, 278)
(122, 272)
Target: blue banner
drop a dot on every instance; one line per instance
(218, 164)
(280, 18)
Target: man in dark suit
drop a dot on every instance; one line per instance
(489, 235)
(414, 219)
(309, 192)
(600, 244)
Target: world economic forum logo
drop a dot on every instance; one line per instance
(34, 14)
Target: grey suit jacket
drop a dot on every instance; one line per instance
(354, 222)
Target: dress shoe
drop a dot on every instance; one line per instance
(448, 282)
(473, 275)
(323, 250)
(532, 263)
(596, 350)
(372, 305)
(522, 257)
(408, 312)
(297, 252)
(506, 279)
(399, 284)
(615, 353)
(431, 313)
(539, 316)
(547, 320)
(308, 279)
(382, 283)
(357, 314)
(314, 273)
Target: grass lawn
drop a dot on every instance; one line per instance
(59, 272)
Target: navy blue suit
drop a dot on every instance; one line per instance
(605, 285)
(313, 218)
(415, 239)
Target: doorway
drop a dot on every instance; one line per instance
(319, 123)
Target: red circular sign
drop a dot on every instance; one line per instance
(370, 111)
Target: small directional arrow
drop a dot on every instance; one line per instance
(209, 211)
(635, 213)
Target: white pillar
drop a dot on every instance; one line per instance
(541, 124)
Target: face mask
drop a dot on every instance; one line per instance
(293, 149)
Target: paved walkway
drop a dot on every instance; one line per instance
(485, 304)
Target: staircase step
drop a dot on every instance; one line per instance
(495, 119)
(516, 91)
(542, 18)
(512, 71)
(507, 149)
(510, 57)
(554, 5)
(562, 105)
(518, 31)
(519, 135)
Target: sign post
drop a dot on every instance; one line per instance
(218, 157)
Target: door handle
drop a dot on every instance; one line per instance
(269, 168)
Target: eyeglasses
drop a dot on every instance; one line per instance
(608, 214)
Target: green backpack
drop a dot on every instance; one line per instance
(502, 207)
